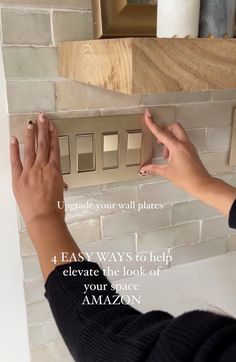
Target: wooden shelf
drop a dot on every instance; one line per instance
(151, 65)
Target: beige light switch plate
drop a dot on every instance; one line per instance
(232, 158)
(102, 149)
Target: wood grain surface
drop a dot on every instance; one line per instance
(151, 65)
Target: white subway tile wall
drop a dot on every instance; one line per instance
(30, 96)
(214, 228)
(53, 351)
(72, 25)
(181, 226)
(168, 237)
(232, 243)
(195, 252)
(32, 63)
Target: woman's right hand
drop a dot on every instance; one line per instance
(184, 167)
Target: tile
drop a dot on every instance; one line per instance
(217, 162)
(31, 268)
(117, 111)
(192, 210)
(34, 290)
(85, 231)
(75, 95)
(175, 98)
(198, 138)
(168, 237)
(139, 182)
(163, 193)
(43, 333)
(124, 244)
(198, 115)
(26, 245)
(157, 150)
(26, 27)
(191, 253)
(55, 351)
(124, 256)
(223, 94)
(30, 96)
(77, 192)
(218, 138)
(75, 4)
(229, 178)
(129, 222)
(159, 258)
(232, 243)
(82, 205)
(28, 62)
(214, 228)
(38, 312)
(21, 223)
(69, 26)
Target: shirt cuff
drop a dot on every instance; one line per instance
(232, 216)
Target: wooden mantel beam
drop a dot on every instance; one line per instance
(151, 65)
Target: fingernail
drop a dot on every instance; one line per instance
(30, 124)
(13, 140)
(41, 117)
(143, 173)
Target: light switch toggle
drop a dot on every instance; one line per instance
(86, 152)
(134, 146)
(65, 155)
(110, 150)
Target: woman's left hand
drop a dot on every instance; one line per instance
(37, 183)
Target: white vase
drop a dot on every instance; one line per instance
(178, 18)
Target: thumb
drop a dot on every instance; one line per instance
(153, 170)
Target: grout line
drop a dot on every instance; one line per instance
(44, 9)
(55, 94)
(206, 139)
(23, 80)
(52, 28)
(136, 242)
(16, 80)
(196, 128)
(200, 230)
(1, 32)
(70, 112)
(211, 100)
(171, 216)
(172, 104)
(28, 45)
(101, 231)
(36, 46)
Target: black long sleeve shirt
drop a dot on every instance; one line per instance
(119, 333)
